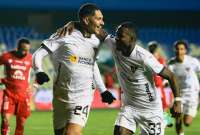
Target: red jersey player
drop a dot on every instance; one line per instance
(17, 65)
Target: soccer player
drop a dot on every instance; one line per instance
(185, 68)
(135, 68)
(17, 64)
(74, 58)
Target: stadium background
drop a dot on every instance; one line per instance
(162, 20)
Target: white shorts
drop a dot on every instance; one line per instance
(190, 104)
(64, 113)
(150, 122)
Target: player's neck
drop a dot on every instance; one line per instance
(180, 58)
(17, 54)
(129, 50)
(83, 30)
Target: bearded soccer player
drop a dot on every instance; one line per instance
(73, 59)
(16, 101)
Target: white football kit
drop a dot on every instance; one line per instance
(188, 82)
(141, 101)
(73, 59)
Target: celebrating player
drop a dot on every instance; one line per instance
(185, 68)
(135, 68)
(73, 58)
(16, 98)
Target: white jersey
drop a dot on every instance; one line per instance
(73, 59)
(186, 73)
(135, 75)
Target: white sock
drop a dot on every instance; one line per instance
(181, 133)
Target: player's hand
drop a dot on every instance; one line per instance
(176, 109)
(102, 35)
(66, 29)
(42, 77)
(107, 97)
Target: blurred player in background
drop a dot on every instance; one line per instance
(74, 58)
(185, 68)
(16, 98)
(153, 48)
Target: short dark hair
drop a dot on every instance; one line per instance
(153, 46)
(182, 41)
(87, 9)
(131, 26)
(22, 41)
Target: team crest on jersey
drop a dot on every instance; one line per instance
(187, 69)
(133, 69)
(73, 59)
(10, 61)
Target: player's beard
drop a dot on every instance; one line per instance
(21, 55)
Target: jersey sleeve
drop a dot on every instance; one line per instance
(52, 44)
(196, 65)
(98, 80)
(37, 59)
(152, 62)
(109, 40)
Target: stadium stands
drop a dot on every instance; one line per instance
(9, 35)
(164, 35)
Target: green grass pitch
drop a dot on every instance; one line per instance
(100, 122)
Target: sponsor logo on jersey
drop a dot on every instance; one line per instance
(82, 60)
(73, 59)
(148, 92)
(17, 67)
(86, 61)
(18, 61)
(18, 75)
